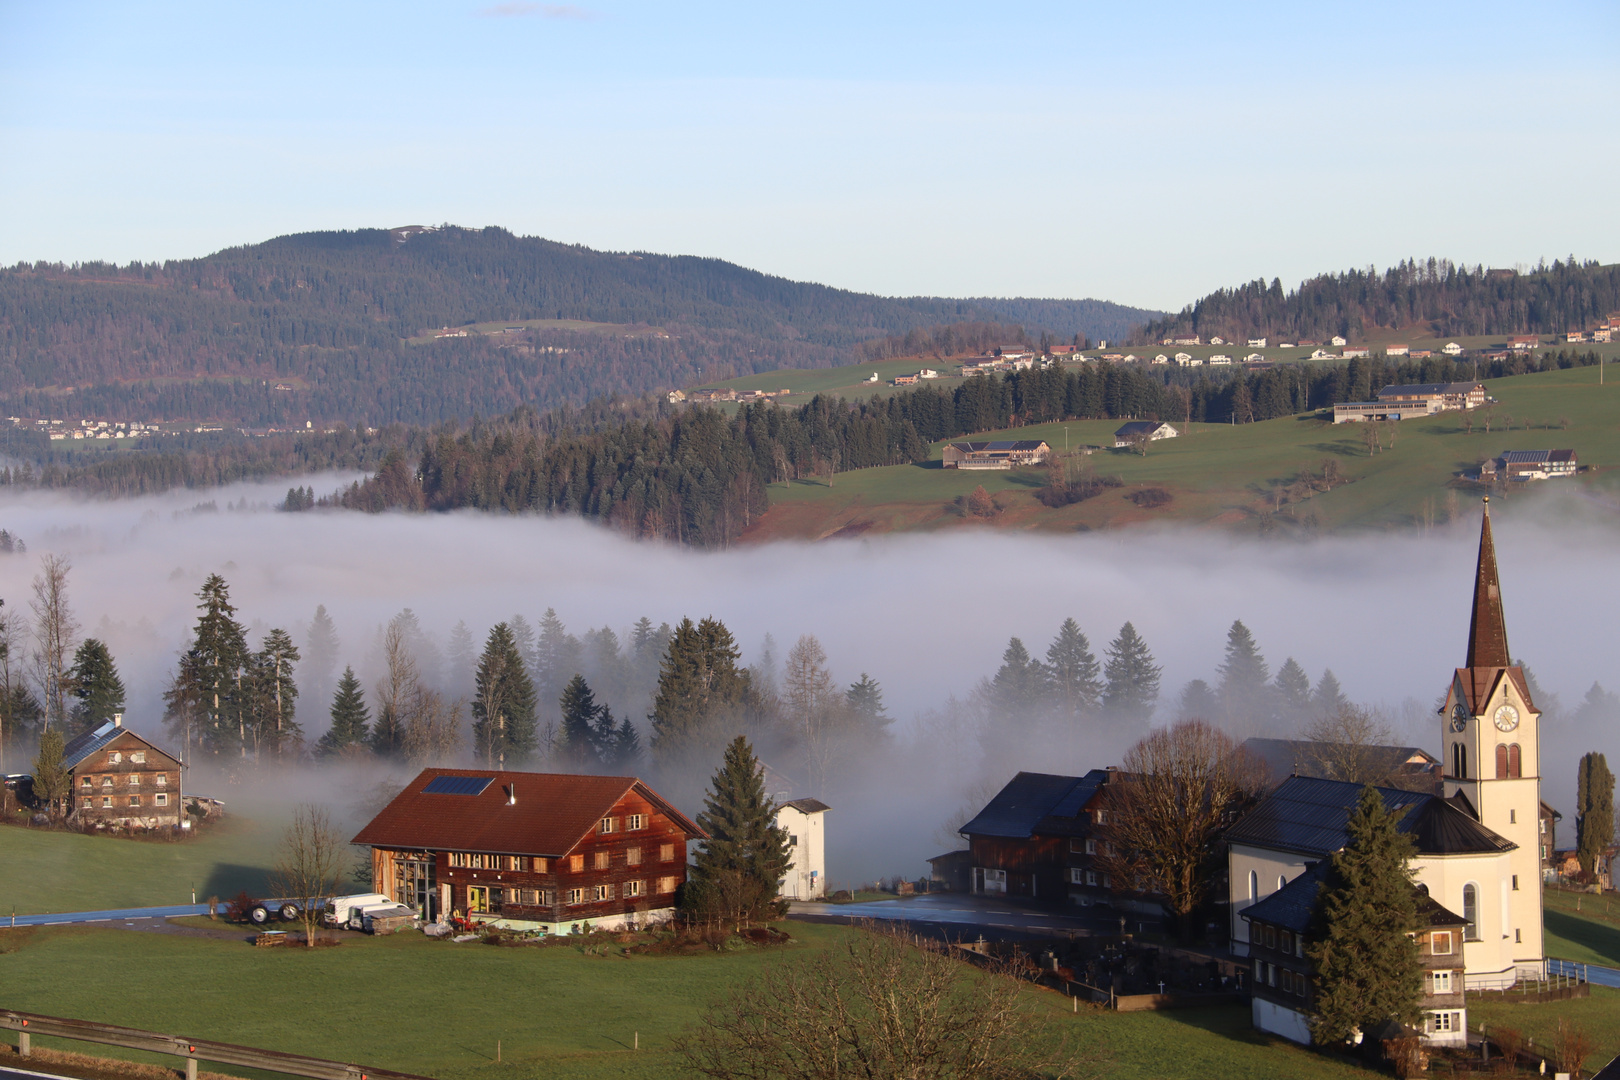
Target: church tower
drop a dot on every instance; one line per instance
(1491, 738)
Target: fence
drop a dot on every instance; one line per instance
(27, 1025)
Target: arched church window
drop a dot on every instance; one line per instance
(1254, 885)
(1459, 761)
(1502, 761)
(1281, 881)
(1515, 761)
(1471, 911)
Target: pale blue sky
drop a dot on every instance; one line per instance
(1140, 152)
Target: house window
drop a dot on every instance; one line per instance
(85, 783)
(1254, 886)
(632, 856)
(1515, 882)
(134, 800)
(134, 779)
(1440, 943)
(138, 757)
(106, 801)
(162, 799)
(514, 896)
(634, 822)
(1091, 877)
(666, 852)
(1281, 881)
(603, 892)
(515, 862)
(576, 863)
(603, 859)
(1440, 982)
(1440, 1022)
(1091, 847)
(1471, 911)
(793, 839)
(1513, 817)
(88, 803)
(1517, 940)
(632, 888)
(106, 781)
(161, 779)
(1077, 876)
(1285, 941)
(1515, 761)
(607, 825)
(114, 758)
(1102, 816)
(1501, 761)
(666, 884)
(576, 896)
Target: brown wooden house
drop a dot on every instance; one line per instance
(120, 779)
(531, 851)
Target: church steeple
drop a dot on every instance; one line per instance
(1487, 630)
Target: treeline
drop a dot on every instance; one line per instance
(315, 326)
(1454, 300)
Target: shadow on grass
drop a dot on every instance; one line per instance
(225, 880)
(1601, 939)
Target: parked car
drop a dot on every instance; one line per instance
(359, 911)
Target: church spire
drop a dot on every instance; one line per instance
(1487, 630)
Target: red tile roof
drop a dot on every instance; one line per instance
(550, 815)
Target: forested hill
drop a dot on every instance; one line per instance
(318, 326)
(1450, 300)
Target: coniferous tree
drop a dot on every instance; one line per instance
(1020, 683)
(577, 738)
(1594, 810)
(503, 709)
(1075, 676)
(738, 870)
(1327, 699)
(1292, 691)
(320, 654)
(97, 691)
(702, 695)
(1366, 960)
(1198, 701)
(273, 695)
(218, 656)
(1244, 677)
(463, 658)
(351, 719)
(626, 752)
(523, 638)
(1131, 686)
(865, 701)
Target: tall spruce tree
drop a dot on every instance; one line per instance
(1292, 691)
(350, 719)
(1245, 695)
(503, 710)
(1594, 810)
(219, 654)
(1327, 699)
(703, 695)
(1366, 959)
(738, 870)
(577, 740)
(625, 755)
(1019, 686)
(1131, 686)
(274, 695)
(865, 701)
(1073, 671)
(97, 691)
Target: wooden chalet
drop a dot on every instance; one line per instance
(531, 851)
(119, 779)
(1000, 454)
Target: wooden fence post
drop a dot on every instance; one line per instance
(24, 1044)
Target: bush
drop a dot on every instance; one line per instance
(1150, 498)
(237, 909)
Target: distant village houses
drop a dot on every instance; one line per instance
(1408, 400)
(1151, 430)
(1001, 454)
(1517, 466)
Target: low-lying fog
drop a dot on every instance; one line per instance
(928, 616)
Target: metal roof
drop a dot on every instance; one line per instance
(1286, 757)
(1309, 816)
(1020, 806)
(808, 806)
(1139, 427)
(1293, 906)
(82, 746)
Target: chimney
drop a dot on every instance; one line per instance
(118, 719)
(511, 794)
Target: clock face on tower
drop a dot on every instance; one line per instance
(1459, 717)
(1506, 718)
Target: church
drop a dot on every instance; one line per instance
(1477, 858)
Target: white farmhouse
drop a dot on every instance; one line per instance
(1452, 349)
(806, 877)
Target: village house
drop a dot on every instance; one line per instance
(1185, 339)
(1397, 350)
(1161, 359)
(802, 820)
(1476, 839)
(1188, 360)
(1421, 354)
(1062, 351)
(1452, 349)
(1151, 430)
(1001, 454)
(676, 397)
(1254, 358)
(713, 393)
(1522, 342)
(1217, 340)
(1323, 354)
(1307, 343)
(1574, 337)
(120, 779)
(1440, 397)
(1602, 334)
(1355, 352)
(547, 852)
(905, 380)
(1258, 343)
(1525, 465)
(1337, 342)
(927, 373)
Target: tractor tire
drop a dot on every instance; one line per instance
(288, 912)
(258, 914)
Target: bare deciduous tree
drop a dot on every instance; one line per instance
(813, 708)
(1350, 744)
(434, 734)
(875, 1008)
(55, 633)
(309, 866)
(1177, 789)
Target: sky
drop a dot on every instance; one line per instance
(1144, 153)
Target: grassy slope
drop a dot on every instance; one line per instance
(1590, 934)
(419, 1006)
(1540, 1022)
(74, 872)
(1220, 474)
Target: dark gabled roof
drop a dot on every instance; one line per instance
(1067, 817)
(1428, 388)
(549, 815)
(1019, 807)
(1309, 816)
(1432, 913)
(1291, 906)
(808, 806)
(1286, 757)
(1140, 427)
(82, 746)
(1000, 446)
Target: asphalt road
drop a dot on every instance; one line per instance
(961, 909)
(116, 915)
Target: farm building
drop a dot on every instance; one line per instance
(1002, 454)
(530, 851)
(1524, 465)
(1151, 430)
(806, 877)
(1410, 767)
(120, 779)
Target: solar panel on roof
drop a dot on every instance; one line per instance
(458, 785)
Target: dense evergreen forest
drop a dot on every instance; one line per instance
(1455, 301)
(316, 326)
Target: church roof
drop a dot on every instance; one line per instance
(1487, 629)
(1310, 817)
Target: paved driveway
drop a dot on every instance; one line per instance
(964, 910)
